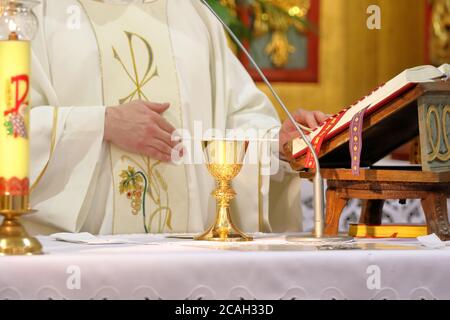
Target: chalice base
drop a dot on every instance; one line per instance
(223, 229)
(14, 239)
(233, 235)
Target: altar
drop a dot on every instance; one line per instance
(106, 140)
(156, 267)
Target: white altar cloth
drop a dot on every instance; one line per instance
(269, 268)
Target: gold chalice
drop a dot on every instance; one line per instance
(224, 159)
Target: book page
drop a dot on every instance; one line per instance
(381, 95)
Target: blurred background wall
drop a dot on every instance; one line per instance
(353, 60)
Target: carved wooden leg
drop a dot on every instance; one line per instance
(335, 205)
(435, 208)
(372, 212)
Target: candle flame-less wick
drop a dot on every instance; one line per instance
(12, 26)
(13, 36)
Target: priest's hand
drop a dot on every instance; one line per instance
(310, 119)
(139, 127)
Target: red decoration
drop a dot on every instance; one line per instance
(19, 100)
(14, 186)
(319, 139)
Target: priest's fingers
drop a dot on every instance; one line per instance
(156, 154)
(302, 117)
(153, 131)
(161, 146)
(157, 107)
(320, 116)
(167, 138)
(163, 123)
(292, 134)
(310, 120)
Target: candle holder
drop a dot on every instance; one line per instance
(18, 25)
(14, 239)
(224, 159)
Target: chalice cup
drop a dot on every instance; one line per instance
(224, 160)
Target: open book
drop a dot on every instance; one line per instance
(377, 99)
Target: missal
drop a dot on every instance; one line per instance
(371, 103)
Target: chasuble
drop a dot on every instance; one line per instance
(93, 54)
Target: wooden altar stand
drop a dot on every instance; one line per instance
(424, 112)
(376, 185)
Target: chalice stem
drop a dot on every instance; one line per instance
(223, 228)
(223, 194)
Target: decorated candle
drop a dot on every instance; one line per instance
(14, 115)
(17, 27)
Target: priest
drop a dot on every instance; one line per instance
(112, 81)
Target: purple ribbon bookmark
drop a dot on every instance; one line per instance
(355, 142)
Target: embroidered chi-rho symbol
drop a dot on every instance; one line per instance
(138, 80)
(14, 117)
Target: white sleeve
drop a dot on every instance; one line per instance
(248, 106)
(65, 148)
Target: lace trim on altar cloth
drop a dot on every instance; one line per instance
(202, 292)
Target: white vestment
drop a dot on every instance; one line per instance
(71, 174)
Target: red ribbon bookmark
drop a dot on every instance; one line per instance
(319, 139)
